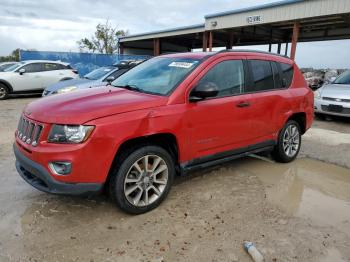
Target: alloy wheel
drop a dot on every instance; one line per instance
(146, 180)
(291, 140)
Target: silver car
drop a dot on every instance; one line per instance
(334, 99)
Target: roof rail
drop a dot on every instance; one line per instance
(252, 51)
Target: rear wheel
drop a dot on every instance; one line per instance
(289, 142)
(4, 92)
(142, 179)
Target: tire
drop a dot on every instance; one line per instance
(289, 143)
(139, 194)
(4, 92)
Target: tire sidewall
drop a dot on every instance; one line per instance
(283, 157)
(119, 175)
(6, 90)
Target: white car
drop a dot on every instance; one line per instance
(33, 76)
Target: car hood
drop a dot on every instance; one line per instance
(80, 83)
(336, 91)
(83, 105)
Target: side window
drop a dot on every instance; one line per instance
(287, 74)
(262, 77)
(33, 68)
(276, 76)
(228, 76)
(51, 67)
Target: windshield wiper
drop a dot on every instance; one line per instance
(131, 87)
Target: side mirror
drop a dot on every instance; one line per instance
(21, 71)
(110, 79)
(203, 91)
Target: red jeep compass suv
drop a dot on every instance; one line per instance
(169, 115)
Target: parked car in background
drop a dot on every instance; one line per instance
(99, 77)
(170, 115)
(33, 76)
(334, 99)
(5, 65)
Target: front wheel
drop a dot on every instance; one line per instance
(288, 144)
(142, 179)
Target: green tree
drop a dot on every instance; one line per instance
(104, 40)
(14, 56)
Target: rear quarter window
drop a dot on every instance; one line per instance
(287, 74)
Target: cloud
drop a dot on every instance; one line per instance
(56, 25)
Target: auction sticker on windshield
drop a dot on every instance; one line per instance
(182, 64)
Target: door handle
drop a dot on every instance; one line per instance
(243, 104)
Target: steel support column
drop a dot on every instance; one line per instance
(295, 37)
(286, 51)
(230, 40)
(156, 46)
(121, 49)
(210, 41)
(205, 41)
(279, 48)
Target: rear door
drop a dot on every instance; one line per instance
(52, 73)
(268, 97)
(221, 123)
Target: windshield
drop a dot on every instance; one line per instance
(343, 79)
(99, 72)
(157, 76)
(13, 67)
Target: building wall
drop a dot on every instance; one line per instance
(298, 10)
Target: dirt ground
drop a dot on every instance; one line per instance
(292, 212)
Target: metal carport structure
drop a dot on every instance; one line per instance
(281, 23)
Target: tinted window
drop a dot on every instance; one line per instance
(228, 76)
(276, 76)
(51, 67)
(32, 68)
(287, 74)
(262, 77)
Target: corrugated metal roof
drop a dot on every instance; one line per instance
(166, 30)
(253, 8)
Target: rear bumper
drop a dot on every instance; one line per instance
(37, 176)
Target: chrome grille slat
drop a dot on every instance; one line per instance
(29, 131)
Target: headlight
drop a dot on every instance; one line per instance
(317, 94)
(66, 89)
(70, 134)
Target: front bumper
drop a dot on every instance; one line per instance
(37, 176)
(322, 107)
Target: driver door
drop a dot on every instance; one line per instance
(221, 123)
(31, 79)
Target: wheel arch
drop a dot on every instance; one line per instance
(167, 141)
(7, 84)
(300, 118)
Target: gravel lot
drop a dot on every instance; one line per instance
(292, 212)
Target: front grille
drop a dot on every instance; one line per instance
(28, 131)
(336, 99)
(342, 110)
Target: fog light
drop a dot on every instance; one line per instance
(60, 168)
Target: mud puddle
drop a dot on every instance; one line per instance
(307, 188)
(293, 212)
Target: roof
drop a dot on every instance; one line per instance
(175, 29)
(253, 8)
(194, 55)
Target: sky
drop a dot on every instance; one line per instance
(56, 25)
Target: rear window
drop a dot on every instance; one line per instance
(287, 74)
